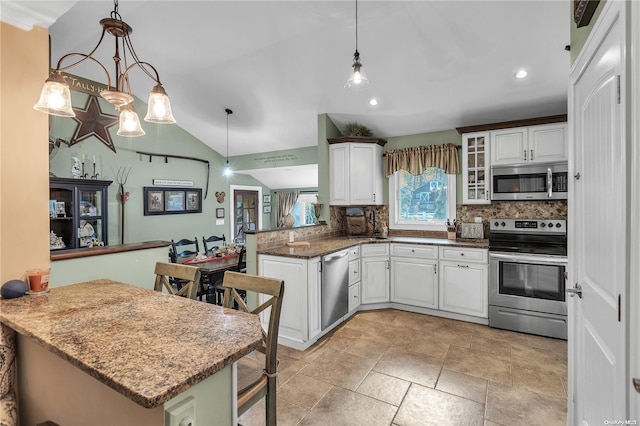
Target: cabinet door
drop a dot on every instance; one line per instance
(548, 143)
(509, 147)
(464, 288)
(354, 297)
(475, 168)
(314, 297)
(375, 280)
(354, 271)
(293, 317)
(414, 282)
(365, 180)
(339, 174)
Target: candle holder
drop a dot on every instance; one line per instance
(94, 175)
(84, 175)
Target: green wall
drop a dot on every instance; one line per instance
(285, 158)
(162, 139)
(579, 35)
(326, 129)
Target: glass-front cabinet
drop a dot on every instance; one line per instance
(475, 168)
(78, 213)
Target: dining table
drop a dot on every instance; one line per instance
(212, 269)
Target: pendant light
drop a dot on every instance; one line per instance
(55, 98)
(227, 167)
(357, 78)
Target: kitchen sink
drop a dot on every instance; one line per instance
(354, 237)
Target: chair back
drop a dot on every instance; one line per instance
(265, 385)
(240, 267)
(168, 272)
(185, 242)
(212, 239)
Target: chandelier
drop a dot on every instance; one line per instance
(55, 98)
(227, 168)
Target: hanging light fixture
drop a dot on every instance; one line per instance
(55, 98)
(357, 79)
(227, 167)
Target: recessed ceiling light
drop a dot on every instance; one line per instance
(373, 101)
(521, 74)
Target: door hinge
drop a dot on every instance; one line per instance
(619, 308)
(618, 88)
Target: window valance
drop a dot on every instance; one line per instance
(416, 159)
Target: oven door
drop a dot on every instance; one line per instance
(528, 281)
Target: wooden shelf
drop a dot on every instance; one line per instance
(358, 139)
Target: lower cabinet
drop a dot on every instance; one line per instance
(464, 288)
(375, 280)
(300, 315)
(414, 282)
(354, 297)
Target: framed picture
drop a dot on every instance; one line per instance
(266, 209)
(60, 210)
(193, 200)
(220, 213)
(266, 199)
(159, 201)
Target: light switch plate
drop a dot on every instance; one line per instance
(181, 414)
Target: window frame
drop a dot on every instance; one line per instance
(306, 198)
(421, 225)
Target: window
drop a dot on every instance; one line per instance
(423, 202)
(303, 211)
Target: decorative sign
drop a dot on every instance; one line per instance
(93, 122)
(276, 160)
(169, 182)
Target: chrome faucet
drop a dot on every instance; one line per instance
(372, 221)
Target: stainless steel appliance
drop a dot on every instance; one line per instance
(539, 182)
(527, 262)
(334, 291)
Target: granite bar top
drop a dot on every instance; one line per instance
(148, 346)
(330, 245)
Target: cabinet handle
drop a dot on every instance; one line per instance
(461, 254)
(435, 269)
(463, 266)
(525, 155)
(374, 197)
(388, 266)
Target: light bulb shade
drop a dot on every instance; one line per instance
(55, 98)
(227, 169)
(129, 122)
(357, 79)
(159, 107)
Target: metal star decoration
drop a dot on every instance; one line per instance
(93, 122)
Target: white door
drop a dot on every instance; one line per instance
(375, 280)
(597, 214)
(464, 288)
(414, 282)
(548, 143)
(509, 147)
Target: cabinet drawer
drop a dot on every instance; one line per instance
(354, 271)
(354, 252)
(375, 250)
(414, 250)
(464, 254)
(354, 297)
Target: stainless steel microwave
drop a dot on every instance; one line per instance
(530, 182)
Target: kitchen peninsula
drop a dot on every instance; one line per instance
(104, 352)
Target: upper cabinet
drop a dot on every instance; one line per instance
(78, 212)
(356, 175)
(475, 168)
(529, 145)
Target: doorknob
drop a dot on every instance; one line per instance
(636, 384)
(577, 289)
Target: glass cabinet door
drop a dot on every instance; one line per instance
(90, 216)
(475, 170)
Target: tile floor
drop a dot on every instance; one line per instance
(390, 367)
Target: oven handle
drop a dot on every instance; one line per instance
(549, 182)
(525, 258)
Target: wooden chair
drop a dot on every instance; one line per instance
(212, 239)
(166, 272)
(185, 242)
(265, 384)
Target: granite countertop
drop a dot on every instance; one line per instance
(330, 245)
(147, 345)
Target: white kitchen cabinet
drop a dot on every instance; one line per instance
(476, 179)
(355, 174)
(354, 297)
(300, 315)
(354, 278)
(529, 145)
(374, 273)
(414, 275)
(463, 281)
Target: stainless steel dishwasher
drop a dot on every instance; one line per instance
(334, 287)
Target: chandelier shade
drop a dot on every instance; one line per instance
(129, 122)
(55, 97)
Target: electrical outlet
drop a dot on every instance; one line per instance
(292, 235)
(181, 414)
(478, 220)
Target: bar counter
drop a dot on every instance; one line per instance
(146, 345)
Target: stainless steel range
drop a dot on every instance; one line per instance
(527, 262)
